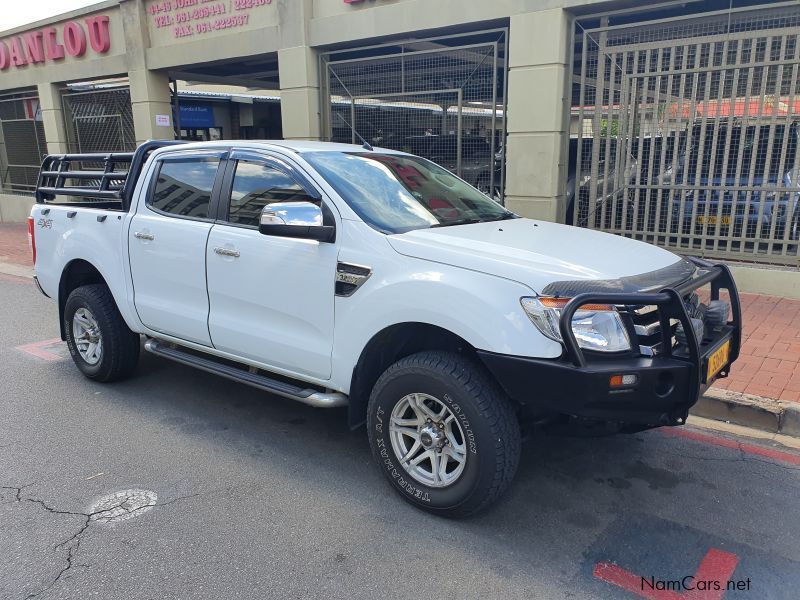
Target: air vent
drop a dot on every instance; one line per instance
(350, 277)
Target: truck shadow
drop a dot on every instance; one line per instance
(568, 493)
(553, 469)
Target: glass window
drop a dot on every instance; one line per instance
(396, 192)
(257, 184)
(184, 186)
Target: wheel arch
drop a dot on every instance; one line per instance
(387, 347)
(76, 273)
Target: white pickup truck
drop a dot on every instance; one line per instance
(339, 275)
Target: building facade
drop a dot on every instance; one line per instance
(565, 110)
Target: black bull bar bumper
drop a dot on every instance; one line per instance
(667, 384)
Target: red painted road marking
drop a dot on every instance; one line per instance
(37, 349)
(716, 566)
(778, 455)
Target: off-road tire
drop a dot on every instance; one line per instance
(485, 412)
(120, 345)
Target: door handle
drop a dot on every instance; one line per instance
(226, 252)
(144, 236)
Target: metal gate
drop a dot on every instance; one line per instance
(100, 120)
(441, 98)
(22, 142)
(688, 130)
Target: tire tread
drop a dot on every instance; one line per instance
(123, 349)
(491, 402)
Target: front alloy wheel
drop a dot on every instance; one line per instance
(428, 439)
(443, 432)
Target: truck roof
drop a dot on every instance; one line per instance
(77, 175)
(293, 145)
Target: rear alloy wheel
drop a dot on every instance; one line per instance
(86, 334)
(101, 344)
(444, 433)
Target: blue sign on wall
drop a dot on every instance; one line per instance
(196, 116)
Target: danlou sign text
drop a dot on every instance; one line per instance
(54, 43)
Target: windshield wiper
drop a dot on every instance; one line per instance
(503, 217)
(456, 222)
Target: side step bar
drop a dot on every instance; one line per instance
(306, 396)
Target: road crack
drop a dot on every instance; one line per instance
(72, 544)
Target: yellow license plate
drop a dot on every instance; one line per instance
(712, 220)
(718, 360)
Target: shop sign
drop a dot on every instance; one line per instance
(186, 18)
(50, 44)
(196, 116)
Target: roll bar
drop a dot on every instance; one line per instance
(111, 185)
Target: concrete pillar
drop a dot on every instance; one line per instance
(299, 75)
(540, 50)
(150, 103)
(150, 92)
(50, 106)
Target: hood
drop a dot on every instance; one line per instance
(539, 253)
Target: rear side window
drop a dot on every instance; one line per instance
(257, 184)
(184, 187)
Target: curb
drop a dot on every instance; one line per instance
(748, 410)
(15, 270)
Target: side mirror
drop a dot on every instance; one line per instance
(297, 220)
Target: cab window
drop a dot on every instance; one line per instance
(184, 185)
(256, 184)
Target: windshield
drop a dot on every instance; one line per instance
(395, 193)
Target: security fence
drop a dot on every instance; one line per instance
(22, 142)
(688, 130)
(100, 120)
(441, 98)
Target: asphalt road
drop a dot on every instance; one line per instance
(259, 497)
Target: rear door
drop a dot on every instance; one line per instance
(271, 297)
(167, 241)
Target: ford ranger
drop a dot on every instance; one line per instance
(348, 276)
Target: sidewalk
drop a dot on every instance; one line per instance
(14, 246)
(769, 365)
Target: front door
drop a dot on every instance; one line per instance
(167, 241)
(271, 298)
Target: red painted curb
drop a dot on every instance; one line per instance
(786, 457)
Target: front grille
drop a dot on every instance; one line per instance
(647, 327)
(705, 319)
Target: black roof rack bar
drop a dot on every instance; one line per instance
(82, 192)
(96, 157)
(87, 174)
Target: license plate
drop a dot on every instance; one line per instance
(718, 360)
(713, 220)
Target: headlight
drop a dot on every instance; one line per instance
(596, 326)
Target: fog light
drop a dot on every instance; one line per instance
(617, 381)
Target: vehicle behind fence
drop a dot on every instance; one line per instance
(687, 133)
